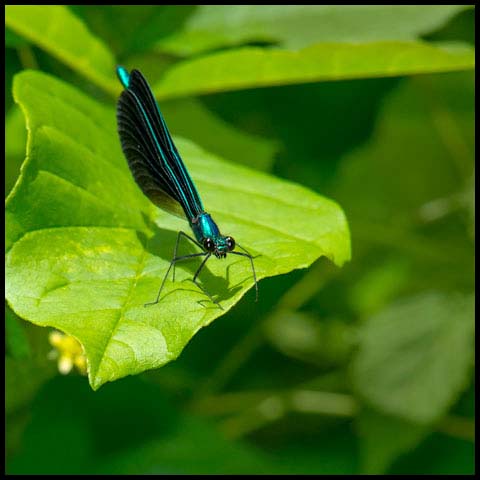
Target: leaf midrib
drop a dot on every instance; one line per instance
(121, 311)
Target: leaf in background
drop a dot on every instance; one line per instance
(227, 142)
(243, 68)
(87, 250)
(212, 27)
(425, 126)
(322, 342)
(384, 438)
(415, 357)
(253, 67)
(190, 119)
(55, 29)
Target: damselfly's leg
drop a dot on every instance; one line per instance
(176, 247)
(194, 280)
(172, 263)
(246, 254)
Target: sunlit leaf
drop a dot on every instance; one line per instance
(252, 67)
(58, 31)
(87, 250)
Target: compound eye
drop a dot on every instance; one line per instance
(209, 244)
(230, 243)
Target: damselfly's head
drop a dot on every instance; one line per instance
(219, 246)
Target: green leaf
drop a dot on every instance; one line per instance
(425, 125)
(55, 29)
(87, 250)
(296, 26)
(303, 336)
(253, 67)
(415, 357)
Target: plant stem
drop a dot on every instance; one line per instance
(27, 57)
(251, 411)
(276, 406)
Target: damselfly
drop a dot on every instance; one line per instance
(161, 174)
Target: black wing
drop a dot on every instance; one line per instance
(150, 152)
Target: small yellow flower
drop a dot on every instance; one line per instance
(68, 352)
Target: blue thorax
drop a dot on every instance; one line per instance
(204, 227)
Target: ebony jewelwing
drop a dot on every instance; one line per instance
(160, 172)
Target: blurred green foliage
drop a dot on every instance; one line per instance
(364, 369)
